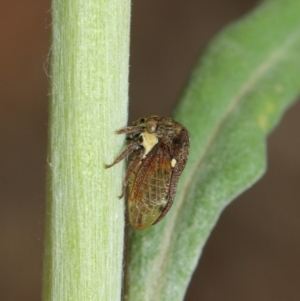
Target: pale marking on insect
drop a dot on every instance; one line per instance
(163, 202)
(149, 140)
(173, 162)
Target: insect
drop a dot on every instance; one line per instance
(158, 148)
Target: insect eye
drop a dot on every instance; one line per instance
(151, 126)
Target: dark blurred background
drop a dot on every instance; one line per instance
(252, 254)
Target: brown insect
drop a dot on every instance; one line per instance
(157, 148)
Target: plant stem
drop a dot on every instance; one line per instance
(89, 95)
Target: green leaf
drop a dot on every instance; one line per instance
(243, 83)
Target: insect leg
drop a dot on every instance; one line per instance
(130, 129)
(127, 151)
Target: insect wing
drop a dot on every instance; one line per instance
(149, 187)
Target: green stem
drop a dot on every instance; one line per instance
(89, 94)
